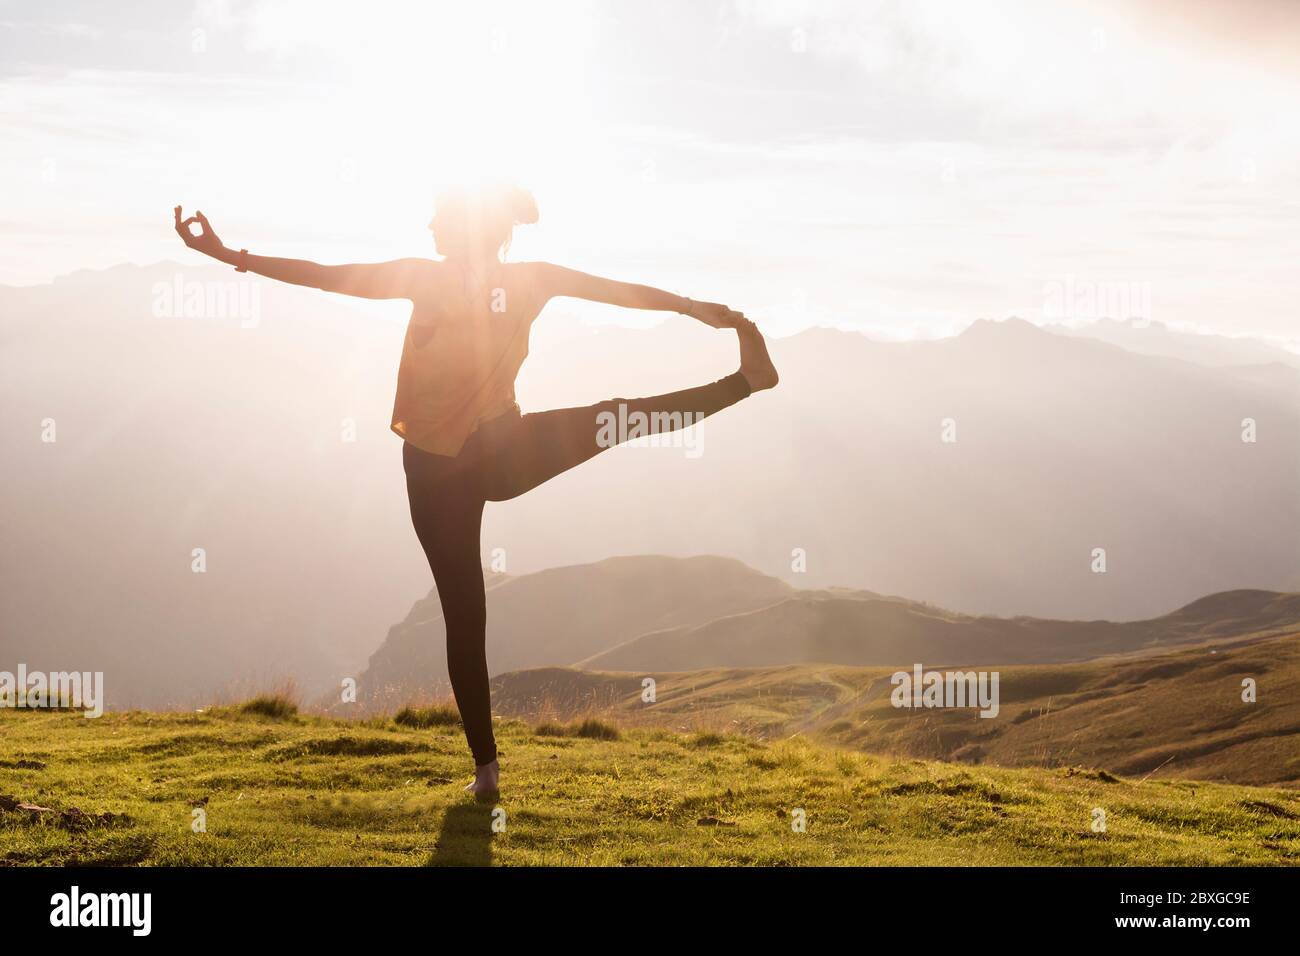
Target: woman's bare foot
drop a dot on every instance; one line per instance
(755, 364)
(487, 780)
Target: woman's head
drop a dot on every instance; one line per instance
(478, 221)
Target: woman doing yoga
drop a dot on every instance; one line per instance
(466, 442)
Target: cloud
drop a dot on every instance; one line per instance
(1024, 63)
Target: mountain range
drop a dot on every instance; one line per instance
(222, 505)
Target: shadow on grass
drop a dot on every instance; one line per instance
(466, 837)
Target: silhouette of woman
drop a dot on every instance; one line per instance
(466, 442)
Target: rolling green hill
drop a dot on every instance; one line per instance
(1177, 714)
(126, 789)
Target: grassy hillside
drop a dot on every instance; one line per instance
(1174, 715)
(311, 790)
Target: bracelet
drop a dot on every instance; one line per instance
(690, 304)
(243, 261)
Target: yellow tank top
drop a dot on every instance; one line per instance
(462, 353)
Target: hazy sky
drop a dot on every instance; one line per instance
(902, 167)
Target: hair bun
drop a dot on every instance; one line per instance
(523, 206)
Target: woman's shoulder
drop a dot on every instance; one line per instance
(530, 269)
(532, 275)
(541, 276)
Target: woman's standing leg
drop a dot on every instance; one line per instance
(447, 513)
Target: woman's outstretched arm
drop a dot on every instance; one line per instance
(557, 280)
(399, 279)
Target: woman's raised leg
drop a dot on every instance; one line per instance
(545, 444)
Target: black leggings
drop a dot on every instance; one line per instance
(504, 458)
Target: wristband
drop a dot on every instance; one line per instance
(243, 261)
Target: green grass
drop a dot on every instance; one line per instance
(422, 718)
(590, 728)
(276, 706)
(311, 790)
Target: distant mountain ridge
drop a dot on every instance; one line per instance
(830, 628)
(1157, 338)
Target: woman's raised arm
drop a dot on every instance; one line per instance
(398, 279)
(559, 281)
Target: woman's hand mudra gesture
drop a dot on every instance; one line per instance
(206, 241)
